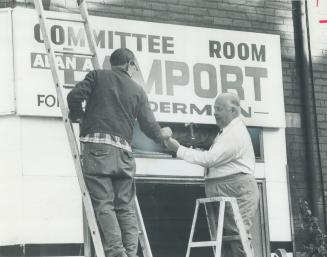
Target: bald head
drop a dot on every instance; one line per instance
(227, 108)
(230, 99)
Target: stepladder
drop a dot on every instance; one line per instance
(47, 19)
(215, 215)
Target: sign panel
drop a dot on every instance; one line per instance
(7, 103)
(317, 15)
(184, 67)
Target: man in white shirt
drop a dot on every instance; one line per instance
(230, 166)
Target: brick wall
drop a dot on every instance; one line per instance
(273, 17)
(317, 10)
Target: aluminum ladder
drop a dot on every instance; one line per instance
(216, 225)
(88, 213)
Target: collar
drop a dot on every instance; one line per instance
(120, 70)
(235, 121)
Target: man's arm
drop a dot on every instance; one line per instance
(149, 125)
(78, 94)
(217, 155)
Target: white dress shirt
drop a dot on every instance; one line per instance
(231, 152)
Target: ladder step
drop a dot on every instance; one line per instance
(214, 199)
(68, 86)
(75, 53)
(232, 238)
(203, 244)
(214, 243)
(64, 19)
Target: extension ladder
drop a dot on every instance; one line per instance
(216, 225)
(88, 213)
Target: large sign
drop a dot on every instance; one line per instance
(7, 104)
(184, 68)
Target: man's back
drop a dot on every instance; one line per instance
(114, 101)
(113, 104)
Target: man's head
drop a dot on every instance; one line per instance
(227, 108)
(124, 58)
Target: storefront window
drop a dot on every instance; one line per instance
(168, 210)
(195, 135)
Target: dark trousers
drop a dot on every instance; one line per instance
(244, 188)
(109, 176)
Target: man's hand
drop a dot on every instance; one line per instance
(166, 133)
(172, 144)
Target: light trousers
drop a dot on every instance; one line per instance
(109, 176)
(244, 188)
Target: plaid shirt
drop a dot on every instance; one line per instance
(103, 138)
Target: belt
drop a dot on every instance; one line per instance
(230, 177)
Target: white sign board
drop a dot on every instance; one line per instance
(7, 104)
(184, 67)
(317, 14)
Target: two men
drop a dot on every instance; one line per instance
(230, 165)
(114, 102)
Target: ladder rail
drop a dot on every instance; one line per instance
(89, 33)
(220, 227)
(241, 228)
(210, 216)
(192, 228)
(144, 241)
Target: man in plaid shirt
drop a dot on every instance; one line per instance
(113, 103)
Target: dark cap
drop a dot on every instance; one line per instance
(121, 56)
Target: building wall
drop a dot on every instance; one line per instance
(273, 17)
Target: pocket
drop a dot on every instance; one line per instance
(126, 163)
(98, 159)
(99, 152)
(128, 154)
(238, 188)
(127, 157)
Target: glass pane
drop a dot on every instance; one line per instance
(256, 137)
(195, 135)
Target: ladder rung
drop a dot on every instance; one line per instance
(63, 19)
(214, 243)
(232, 238)
(75, 53)
(68, 86)
(214, 199)
(203, 244)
